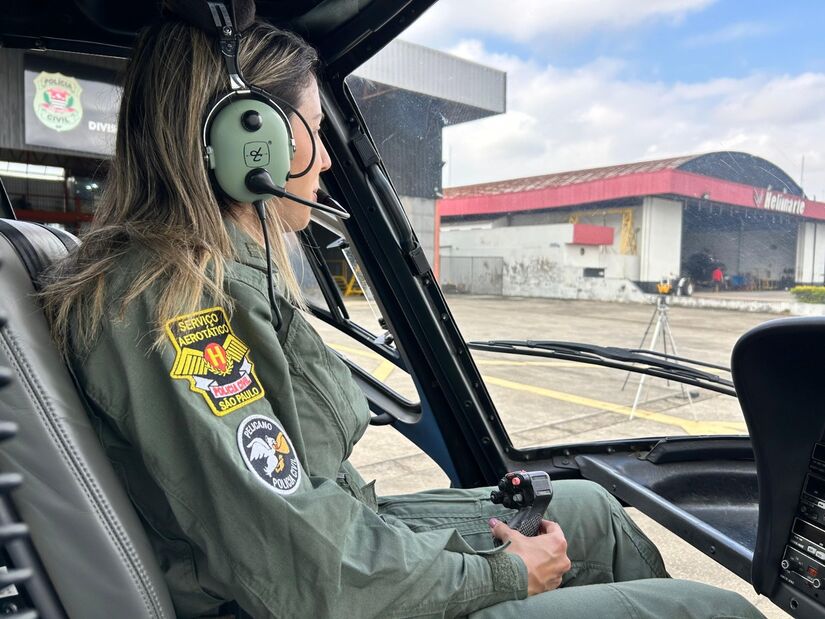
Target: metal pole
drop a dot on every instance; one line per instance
(642, 343)
(656, 331)
(685, 390)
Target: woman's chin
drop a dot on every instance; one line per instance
(294, 216)
(303, 223)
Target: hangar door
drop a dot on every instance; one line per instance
(756, 249)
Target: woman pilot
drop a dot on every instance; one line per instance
(230, 423)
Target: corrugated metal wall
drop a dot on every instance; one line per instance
(437, 74)
(38, 194)
(407, 131)
(11, 99)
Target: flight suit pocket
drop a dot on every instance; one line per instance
(325, 394)
(466, 511)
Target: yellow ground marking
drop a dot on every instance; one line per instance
(385, 369)
(357, 352)
(690, 427)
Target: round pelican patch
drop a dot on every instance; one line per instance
(268, 452)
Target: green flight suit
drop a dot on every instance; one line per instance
(232, 440)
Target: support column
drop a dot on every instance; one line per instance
(810, 253)
(660, 250)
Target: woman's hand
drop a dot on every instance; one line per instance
(545, 555)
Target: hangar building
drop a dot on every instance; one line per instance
(614, 232)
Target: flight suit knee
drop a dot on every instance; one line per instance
(692, 600)
(581, 495)
(584, 507)
(731, 605)
(604, 543)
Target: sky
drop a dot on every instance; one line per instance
(602, 82)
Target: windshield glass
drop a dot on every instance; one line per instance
(642, 175)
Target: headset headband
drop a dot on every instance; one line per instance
(228, 42)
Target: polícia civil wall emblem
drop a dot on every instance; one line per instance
(214, 360)
(57, 101)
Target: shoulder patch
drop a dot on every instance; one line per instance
(268, 452)
(214, 361)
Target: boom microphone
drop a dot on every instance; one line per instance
(259, 181)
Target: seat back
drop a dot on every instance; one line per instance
(777, 370)
(84, 528)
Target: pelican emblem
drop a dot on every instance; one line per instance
(273, 449)
(269, 454)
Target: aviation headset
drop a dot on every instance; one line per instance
(248, 143)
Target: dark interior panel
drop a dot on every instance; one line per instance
(755, 505)
(711, 504)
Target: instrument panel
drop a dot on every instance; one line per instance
(803, 562)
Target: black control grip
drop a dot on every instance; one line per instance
(528, 521)
(530, 493)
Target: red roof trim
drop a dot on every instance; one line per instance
(559, 179)
(662, 182)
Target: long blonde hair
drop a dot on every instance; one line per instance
(158, 195)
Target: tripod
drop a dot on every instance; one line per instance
(661, 327)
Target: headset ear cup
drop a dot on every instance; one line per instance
(245, 131)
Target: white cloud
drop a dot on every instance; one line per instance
(531, 20)
(733, 32)
(568, 119)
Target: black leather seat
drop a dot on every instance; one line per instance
(82, 524)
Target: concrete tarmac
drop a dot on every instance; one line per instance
(552, 402)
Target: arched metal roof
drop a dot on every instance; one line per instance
(742, 168)
(736, 167)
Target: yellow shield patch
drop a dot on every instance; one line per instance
(214, 360)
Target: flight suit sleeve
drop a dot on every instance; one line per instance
(199, 411)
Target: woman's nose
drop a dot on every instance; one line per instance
(326, 162)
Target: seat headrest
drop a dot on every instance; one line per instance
(36, 245)
(82, 524)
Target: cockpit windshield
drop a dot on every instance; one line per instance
(636, 176)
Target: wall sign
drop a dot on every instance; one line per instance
(777, 201)
(70, 106)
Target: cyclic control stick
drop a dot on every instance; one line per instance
(530, 493)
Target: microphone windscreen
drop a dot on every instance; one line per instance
(197, 13)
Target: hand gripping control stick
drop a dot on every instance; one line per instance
(530, 493)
